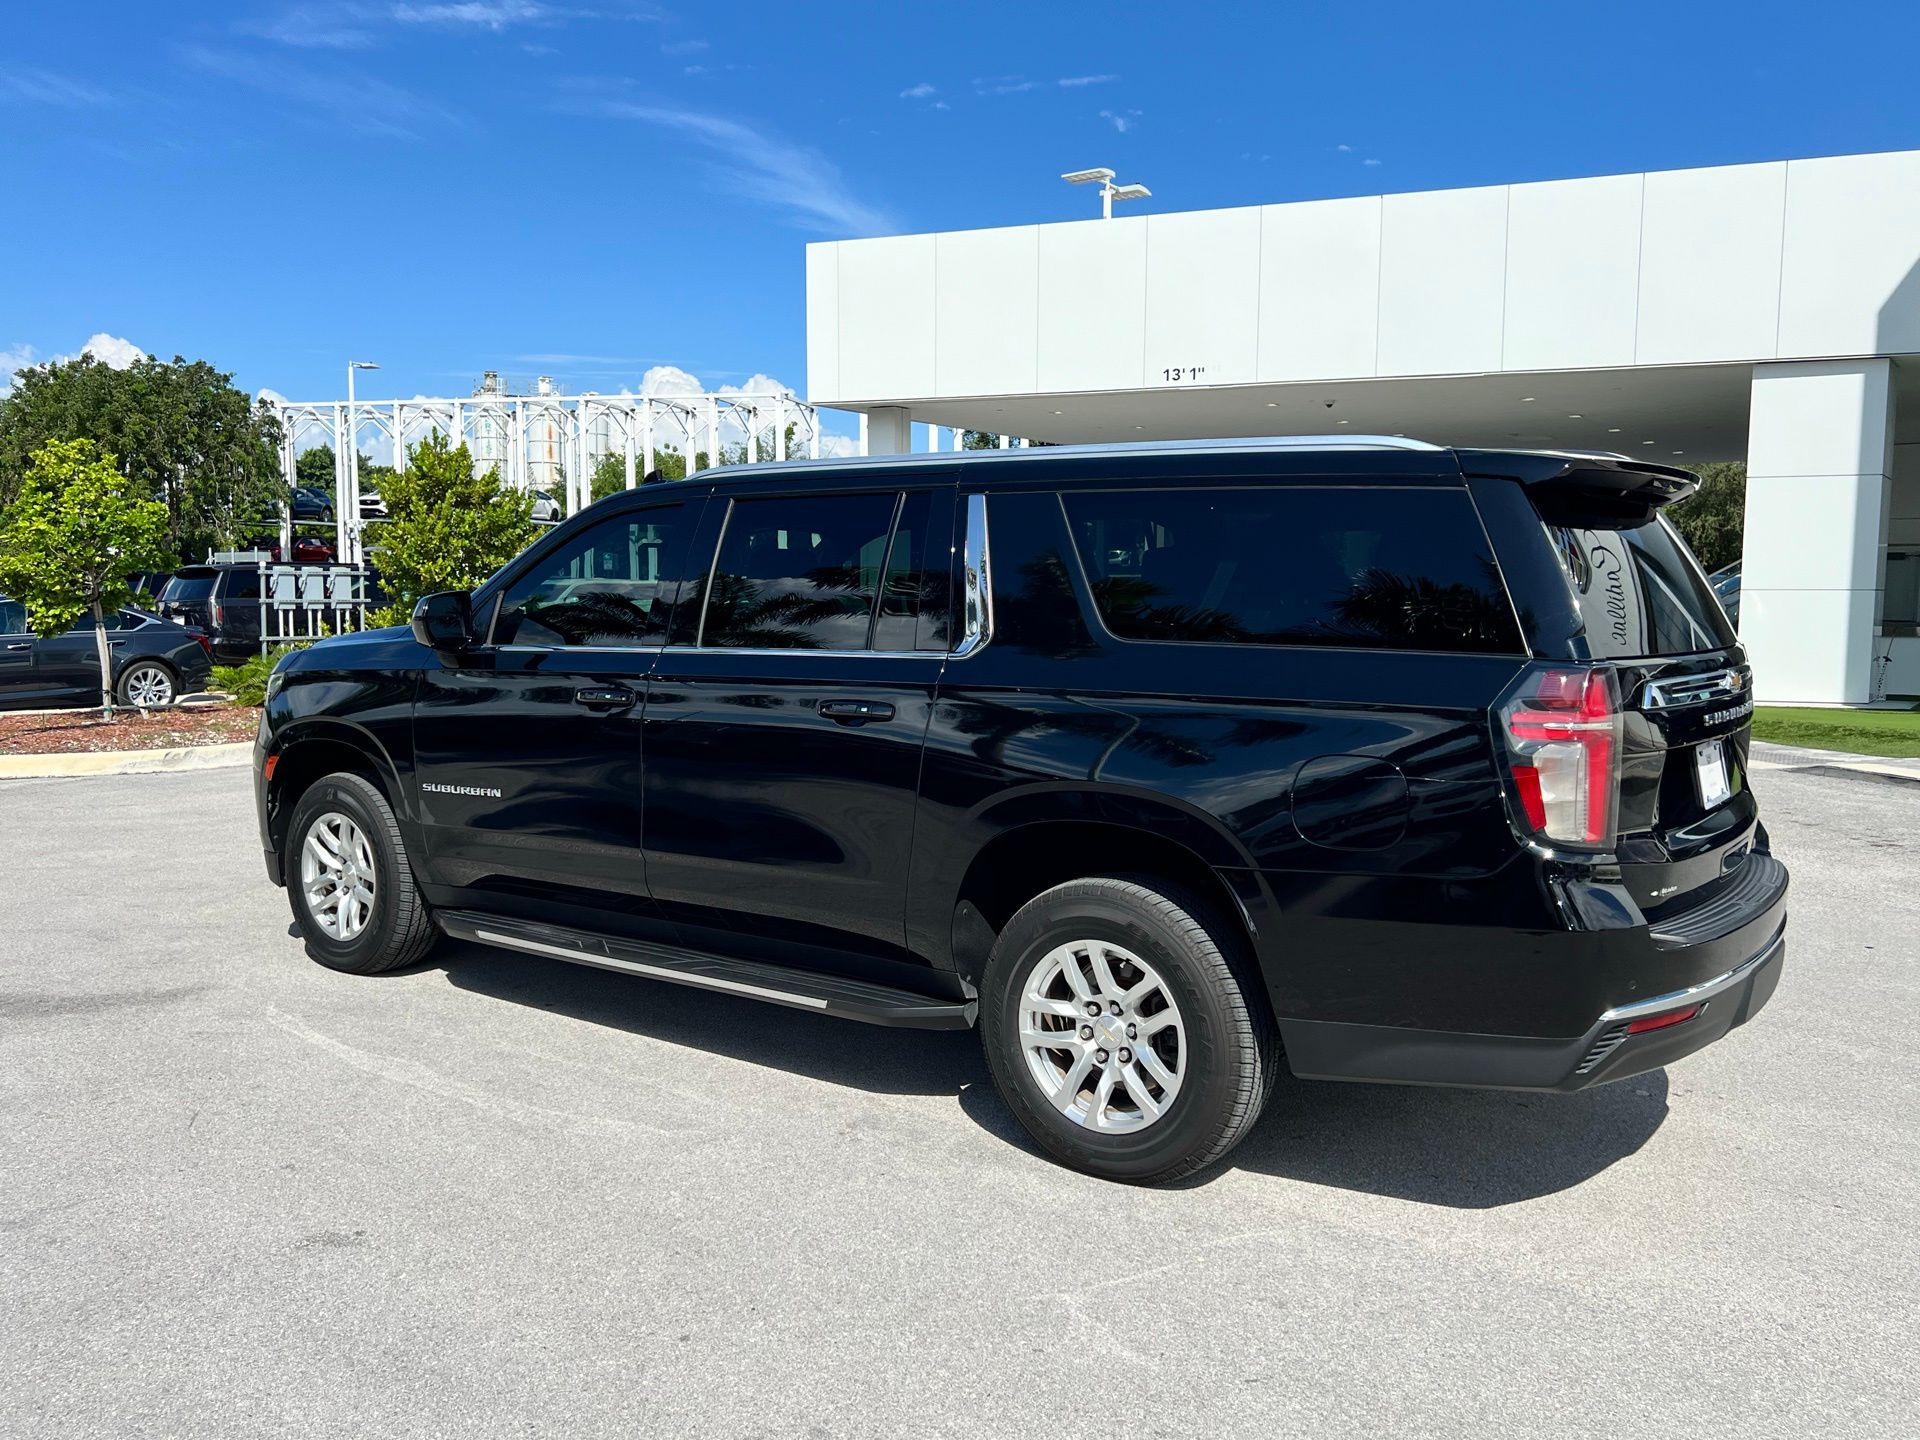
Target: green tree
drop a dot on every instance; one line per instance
(75, 534)
(448, 529)
(180, 431)
(1712, 519)
(314, 468)
(610, 475)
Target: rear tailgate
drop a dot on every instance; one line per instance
(1687, 818)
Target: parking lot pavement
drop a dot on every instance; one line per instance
(243, 1195)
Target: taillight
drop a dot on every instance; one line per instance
(218, 614)
(1561, 726)
(200, 637)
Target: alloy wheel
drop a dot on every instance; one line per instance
(337, 875)
(148, 686)
(1102, 1036)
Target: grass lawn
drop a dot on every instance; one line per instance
(1865, 732)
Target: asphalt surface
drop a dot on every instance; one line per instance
(242, 1195)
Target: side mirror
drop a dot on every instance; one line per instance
(444, 621)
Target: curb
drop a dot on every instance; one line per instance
(126, 762)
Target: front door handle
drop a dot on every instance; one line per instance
(605, 698)
(856, 712)
(20, 645)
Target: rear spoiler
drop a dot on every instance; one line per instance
(1592, 474)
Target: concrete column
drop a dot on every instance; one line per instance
(1819, 466)
(889, 430)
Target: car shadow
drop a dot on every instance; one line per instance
(1465, 1149)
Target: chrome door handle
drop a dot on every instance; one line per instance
(20, 645)
(605, 697)
(856, 712)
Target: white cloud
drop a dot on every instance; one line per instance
(1373, 162)
(43, 87)
(922, 91)
(835, 447)
(494, 15)
(357, 102)
(1074, 82)
(683, 47)
(1005, 85)
(14, 357)
(1121, 120)
(112, 351)
(763, 167)
(1344, 149)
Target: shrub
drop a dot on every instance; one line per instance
(247, 681)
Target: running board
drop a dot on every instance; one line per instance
(802, 989)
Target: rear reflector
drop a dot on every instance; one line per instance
(267, 768)
(1661, 1022)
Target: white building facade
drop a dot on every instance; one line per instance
(1768, 313)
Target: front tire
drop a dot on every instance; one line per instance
(349, 883)
(147, 685)
(1120, 1032)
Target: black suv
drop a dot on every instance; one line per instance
(1160, 763)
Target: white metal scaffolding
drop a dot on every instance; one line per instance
(546, 442)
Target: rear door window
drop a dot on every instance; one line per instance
(803, 572)
(1639, 589)
(13, 618)
(1373, 567)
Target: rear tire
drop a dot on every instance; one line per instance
(146, 684)
(349, 883)
(1173, 1069)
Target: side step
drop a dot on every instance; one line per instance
(801, 989)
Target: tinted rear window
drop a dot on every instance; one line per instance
(1639, 590)
(1374, 567)
(187, 589)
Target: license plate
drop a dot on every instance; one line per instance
(1710, 763)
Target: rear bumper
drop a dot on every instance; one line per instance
(1608, 1050)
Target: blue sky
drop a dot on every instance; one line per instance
(591, 189)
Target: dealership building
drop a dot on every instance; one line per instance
(1768, 313)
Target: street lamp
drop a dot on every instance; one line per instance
(349, 509)
(1109, 192)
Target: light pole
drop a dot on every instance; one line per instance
(349, 509)
(1109, 192)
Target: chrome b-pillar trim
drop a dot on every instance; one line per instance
(976, 601)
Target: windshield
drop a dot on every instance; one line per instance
(1640, 590)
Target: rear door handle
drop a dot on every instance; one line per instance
(856, 712)
(21, 645)
(605, 697)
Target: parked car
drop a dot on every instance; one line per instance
(546, 509)
(153, 663)
(1726, 585)
(310, 504)
(1164, 765)
(372, 507)
(147, 585)
(306, 550)
(221, 600)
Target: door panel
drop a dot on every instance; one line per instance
(16, 653)
(769, 816)
(528, 750)
(782, 752)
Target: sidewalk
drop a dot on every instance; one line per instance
(1768, 756)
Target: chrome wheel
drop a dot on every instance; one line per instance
(337, 875)
(1102, 1036)
(148, 686)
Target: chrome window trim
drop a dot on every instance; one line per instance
(976, 581)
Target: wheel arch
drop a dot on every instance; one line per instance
(311, 749)
(1047, 837)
